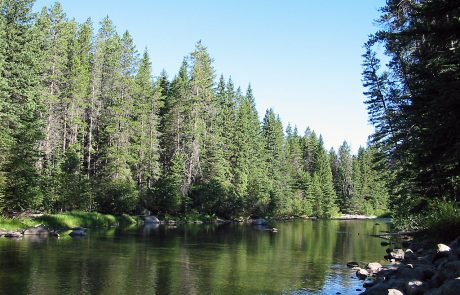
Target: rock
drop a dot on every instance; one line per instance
(450, 270)
(368, 282)
(443, 248)
(385, 243)
(77, 233)
(415, 287)
(352, 264)
(394, 292)
(151, 219)
(78, 228)
(451, 287)
(37, 230)
(374, 266)
(13, 234)
(259, 221)
(397, 254)
(362, 273)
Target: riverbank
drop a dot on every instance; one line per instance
(425, 266)
(65, 220)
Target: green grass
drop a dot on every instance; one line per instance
(68, 220)
(12, 224)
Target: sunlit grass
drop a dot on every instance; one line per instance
(12, 224)
(67, 220)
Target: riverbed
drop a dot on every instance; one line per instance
(302, 257)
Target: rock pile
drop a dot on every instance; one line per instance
(417, 270)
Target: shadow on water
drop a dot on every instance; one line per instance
(303, 257)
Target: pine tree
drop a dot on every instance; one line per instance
(22, 106)
(345, 177)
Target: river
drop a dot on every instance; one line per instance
(303, 257)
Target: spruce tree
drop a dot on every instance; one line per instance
(22, 106)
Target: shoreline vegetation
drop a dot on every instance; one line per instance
(69, 220)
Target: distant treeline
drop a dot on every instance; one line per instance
(83, 125)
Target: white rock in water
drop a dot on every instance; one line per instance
(394, 292)
(151, 219)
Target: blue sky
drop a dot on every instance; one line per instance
(302, 57)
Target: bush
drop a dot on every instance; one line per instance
(439, 219)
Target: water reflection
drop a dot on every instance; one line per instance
(304, 257)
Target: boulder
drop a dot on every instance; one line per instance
(394, 292)
(451, 287)
(13, 234)
(77, 233)
(374, 266)
(151, 219)
(443, 248)
(40, 230)
(362, 273)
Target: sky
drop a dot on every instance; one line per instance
(301, 57)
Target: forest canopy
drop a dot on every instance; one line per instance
(85, 126)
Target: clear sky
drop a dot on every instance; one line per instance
(302, 57)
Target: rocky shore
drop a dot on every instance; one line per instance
(421, 268)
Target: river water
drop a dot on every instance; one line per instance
(303, 257)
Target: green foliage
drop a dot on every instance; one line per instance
(85, 126)
(117, 197)
(413, 99)
(438, 219)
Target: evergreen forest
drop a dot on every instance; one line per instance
(84, 125)
(413, 100)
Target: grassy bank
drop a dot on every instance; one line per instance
(67, 220)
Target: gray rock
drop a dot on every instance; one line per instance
(77, 233)
(13, 234)
(40, 230)
(450, 270)
(394, 292)
(374, 266)
(362, 273)
(397, 254)
(151, 219)
(451, 287)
